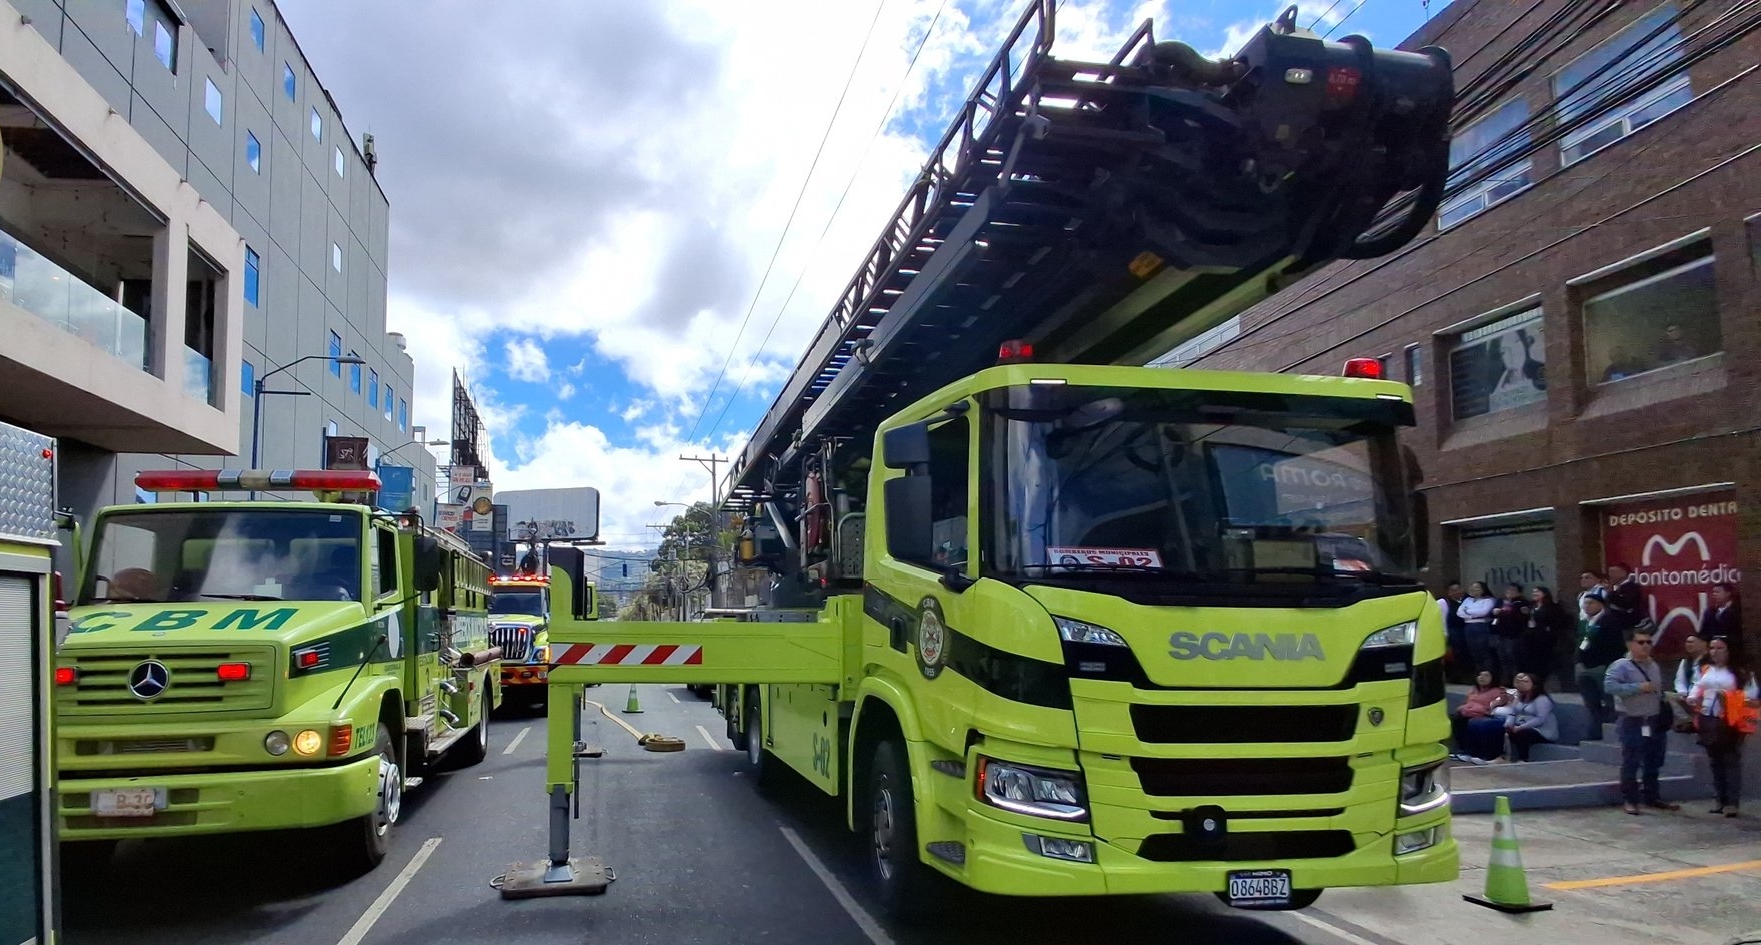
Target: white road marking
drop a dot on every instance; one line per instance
(863, 920)
(669, 695)
(364, 924)
(710, 739)
(516, 742)
(1333, 930)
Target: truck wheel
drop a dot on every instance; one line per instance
(908, 887)
(476, 745)
(736, 734)
(760, 766)
(368, 837)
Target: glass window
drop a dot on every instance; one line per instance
(950, 447)
(214, 101)
(137, 16)
(354, 375)
(253, 275)
(199, 555)
(336, 257)
(403, 414)
(165, 44)
(338, 163)
(257, 29)
(336, 352)
(1657, 319)
(385, 565)
(1595, 104)
(373, 388)
(253, 152)
(1477, 182)
(1204, 343)
(1498, 366)
(247, 378)
(1415, 365)
(388, 401)
(317, 126)
(1387, 363)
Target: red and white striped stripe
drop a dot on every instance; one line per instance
(627, 654)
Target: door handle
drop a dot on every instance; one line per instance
(897, 625)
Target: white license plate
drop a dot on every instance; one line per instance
(127, 802)
(1259, 888)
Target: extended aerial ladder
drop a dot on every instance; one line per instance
(1098, 212)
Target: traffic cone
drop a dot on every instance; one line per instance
(1507, 886)
(631, 706)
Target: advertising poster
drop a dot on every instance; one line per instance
(1678, 548)
(1510, 553)
(397, 487)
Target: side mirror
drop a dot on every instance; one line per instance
(1421, 530)
(906, 447)
(429, 564)
(909, 537)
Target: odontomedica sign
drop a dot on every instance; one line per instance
(1678, 548)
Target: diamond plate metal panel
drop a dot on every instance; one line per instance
(27, 485)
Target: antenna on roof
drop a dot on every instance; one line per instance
(368, 152)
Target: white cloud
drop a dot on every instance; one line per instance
(526, 361)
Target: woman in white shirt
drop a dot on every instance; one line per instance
(1475, 610)
(1723, 743)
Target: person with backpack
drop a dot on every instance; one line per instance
(1724, 700)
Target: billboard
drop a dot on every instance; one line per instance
(397, 487)
(449, 516)
(552, 514)
(1678, 548)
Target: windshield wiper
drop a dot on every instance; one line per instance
(242, 596)
(119, 600)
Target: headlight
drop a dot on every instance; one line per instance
(276, 743)
(540, 654)
(308, 742)
(1077, 631)
(1398, 635)
(1424, 789)
(1035, 792)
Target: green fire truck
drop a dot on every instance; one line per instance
(252, 665)
(1054, 622)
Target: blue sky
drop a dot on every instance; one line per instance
(585, 197)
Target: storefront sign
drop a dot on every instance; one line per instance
(1513, 553)
(1678, 548)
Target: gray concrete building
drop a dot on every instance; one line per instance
(231, 113)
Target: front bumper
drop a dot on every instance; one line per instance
(225, 802)
(525, 674)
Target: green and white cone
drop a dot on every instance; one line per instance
(1507, 885)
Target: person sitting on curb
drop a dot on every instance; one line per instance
(1636, 683)
(1531, 720)
(1478, 731)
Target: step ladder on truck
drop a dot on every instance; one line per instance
(32, 619)
(1053, 622)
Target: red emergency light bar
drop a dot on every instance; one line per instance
(1368, 368)
(240, 480)
(519, 579)
(1014, 352)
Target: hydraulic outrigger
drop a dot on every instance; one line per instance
(1099, 213)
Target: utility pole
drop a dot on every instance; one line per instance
(711, 462)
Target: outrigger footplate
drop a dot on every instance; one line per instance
(581, 876)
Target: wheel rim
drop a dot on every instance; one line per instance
(483, 724)
(391, 795)
(882, 840)
(754, 742)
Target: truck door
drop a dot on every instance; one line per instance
(406, 641)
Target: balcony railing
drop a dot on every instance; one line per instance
(198, 376)
(33, 283)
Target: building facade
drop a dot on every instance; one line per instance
(220, 96)
(1579, 322)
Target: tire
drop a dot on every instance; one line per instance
(760, 766)
(476, 746)
(367, 838)
(736, 734)
(908, 888)
(1299, 899)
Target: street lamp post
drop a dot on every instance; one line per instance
(258, 392)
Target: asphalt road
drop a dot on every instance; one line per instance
(700, 858)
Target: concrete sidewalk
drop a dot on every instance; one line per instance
(1684, 877)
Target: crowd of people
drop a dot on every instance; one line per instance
(1508, 648)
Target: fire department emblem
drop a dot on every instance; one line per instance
(932, 638)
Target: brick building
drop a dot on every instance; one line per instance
(1580, 323)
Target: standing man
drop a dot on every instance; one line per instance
(1636, 683)
(1455, 633)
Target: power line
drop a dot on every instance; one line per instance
(777, 250)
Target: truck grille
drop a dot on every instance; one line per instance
(1242, 724)
(1236, 846)
(191, 682)
(1211, 777)
(515, 641)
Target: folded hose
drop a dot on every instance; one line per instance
(650, 741)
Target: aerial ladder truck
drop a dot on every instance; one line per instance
(1051, 621)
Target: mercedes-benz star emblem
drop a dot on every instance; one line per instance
(149, 680)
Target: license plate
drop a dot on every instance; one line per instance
(1259, 888)
(126, 802)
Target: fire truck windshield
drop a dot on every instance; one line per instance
(1202, 489)
(530, 603)
(154, 556)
